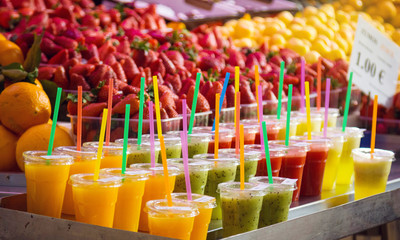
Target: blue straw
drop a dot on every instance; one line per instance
(221, 100)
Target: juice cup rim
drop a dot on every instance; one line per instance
(130, 173)
(223, 132)
(333, 136)
(86, 179)
(248, 128)
(132, 144)
(194, 164)
(202, 136)
(274, 150)
(313, 115)
(112, 149)
(41, 158)
(253, 189)
(293, 145)
(82, 155)
(280, 183)
(146, 141)
(248, 155)
(321, 142)
(209, 157)
(275, 125)
(331, 111)
(293, 120)
(160, 208)
(349, 131)
(378, 155)
(200, 200)
(158, 169)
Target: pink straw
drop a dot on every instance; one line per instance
(151, 123)
(302, 85)
(327, 92)
(186, 165)
(184, 115)
(260, 112)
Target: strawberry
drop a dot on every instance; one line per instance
(70, 63)
(101, 72)
(90, 21)
(202, 104)
(82, 69)
(91, 135)
(46, 73)
(106, 49)
(60, 78)
(130, 68)
(230, 95)
(93, 109)
(176, 57)
(137, 79)
(102, 96)
(131, 99)
(186, 85)
(158, 67)
(117, 133)
(169, 65)
(118, 84)
(175, 81)
(236, 58)
(94, 60)
(179, 106)
(130, 89)
(72, 108)
(66, 42)
(109, 59)
(115, 15)
(60, 58)
(119, 71)
(167, 99)
(171, 112)
(78, 80)
(90, 51)
(189, 65)
(205, 87)
(162, 89)
(124, 46)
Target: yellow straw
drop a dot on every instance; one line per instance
(101, 142)
(373, 129)
(237, 78)
(157, 104)
(257, 79)
(165, 167)
(216, 137)
(241, 157)
(307, 86)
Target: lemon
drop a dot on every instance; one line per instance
(324, 38)
(310, 11)
(298, 14)
(286, 33)
(322, 16)
(333, 25)
(295, 28)
(306, 42)
(258, 19)
(299, 21)
(342, 17)
(386, 9)
(231, 23)
(312, 56)
(271, 29)
(298, 46)
(285, 17)
(262, 39)
(278, 40)
(396, 21)
(336, 54)
(244, 42)
(306, 32)
(324, 30)
(246, 16)
(356, 4)
(244, 29)
(321, 47)
(313, 21)
(279, 22)
(342, 43)
(348, 8)
(328, 9)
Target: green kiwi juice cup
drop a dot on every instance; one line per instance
(198, 172)
(142, 154)
(223, 170)
(240, 207)
(276, 201)
(225, 137)
(197, 142)
(251, 159)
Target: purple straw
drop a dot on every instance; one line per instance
(260, 112)
(151, 123)
(302, 85)
(327, 92)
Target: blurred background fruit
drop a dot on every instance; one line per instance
(8, 144)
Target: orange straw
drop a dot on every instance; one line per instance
(79, 120)
(237, 78)
(216, 137)
(165, 167)
(110, 96)
(237, 114)
(373, 130)
(257, 82)
(319, 84)
(241, 157)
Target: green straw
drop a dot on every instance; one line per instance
(281, 75)
(346, 109)
(194, 102)
(289, 109)
(141, 100)
(266, 148)
(55, 116)
(126, 128)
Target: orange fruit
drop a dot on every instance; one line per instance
(10, 53)
(2, 37)
(8, 144)
(37, 138)
(23, 105)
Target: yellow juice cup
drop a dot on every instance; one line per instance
(84, 162)
(128, 206)
(154, 187)
(46, 179)
(294, 122)
(371, 171)
(112, 154)
(174, 221)
(333, 114)
(205, 204)
(94, 201)
(316, 121)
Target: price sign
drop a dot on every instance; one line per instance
(375, 62)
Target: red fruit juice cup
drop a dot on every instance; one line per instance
(249, 132)
(273, 128)
(276, 154)
(293, 162)
(225, 137)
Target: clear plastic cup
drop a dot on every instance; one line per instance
(294, 122)
(333, 114)
(154, 187)
(95, 201)
(371, 171)
(205, 204)
(112, 154)
(174, 221)
(46, 180)
(251, 159)
(316, 121)
(197, 142)
(276, 154)
(225, 137)
(84, 162)
(198, 172)
(142, 154)
(273, 128)
(277, 199)
(223, 170)
(129, 201)
(249, 132)
(240, 208)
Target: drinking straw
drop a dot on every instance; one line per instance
(257, 82)
(221, 100)
(319, 84)
(110, 96)
(241, 157)
(184, 115)
(260, 113)
(194, 102)
(126, 130)
(100, 147)
(373, 130)
(307, 85)
(237, 114)
(79, 120)
(237, 78)
(152, 145)
(216, 133)
(54, 125)
(267, 157)
(157, 104)
(281, 75)
(289, 109)
(165, 167)
(186, 165)
(141, 103)
(302, 85)
(346, 108)
(327, 93)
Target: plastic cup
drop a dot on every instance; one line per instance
(294, 122)
(249, 132)
(84, 162)
(276, 154)
(141, 155)
(112, 154)
(293, 163)
(46, 180)
(95, 201)
(197, 142)
(277, 199)
(240, 208)
(174, 221)
(225, 137)
(333, 114)
(371, 172)
(251, 159)
(223, 170)
(273, 128)
(205, 204)
(154, 187)
(198, 172)
(316, 121)
(129, 201)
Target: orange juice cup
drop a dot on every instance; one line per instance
(174, 221)
(112, 154)
(46, 179)
(154, 187)
(84, 162)
(128, 206)
(95, 201)
(205, 204)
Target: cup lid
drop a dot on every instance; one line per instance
(203, 136)
(104, 180)
(41, 157)
(194, 164)
(378, 155)
(278, 182)
(145, 145)
(131, 173)
(181, 208)
(331, 111)
(248, 155)
(84, 154)
(294, 120)
(210, 157)
(201, 201)
(247, 128)
(254, 189)
(293, 145)
(350, 131)
(158, 169)
(313, 142)
(223, 131)
(274, 150)
(334, 136)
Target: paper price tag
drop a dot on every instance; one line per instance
(375, 62)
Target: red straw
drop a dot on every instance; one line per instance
(79, 120)
(237, 142)
(319, 84)
(110, 96)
